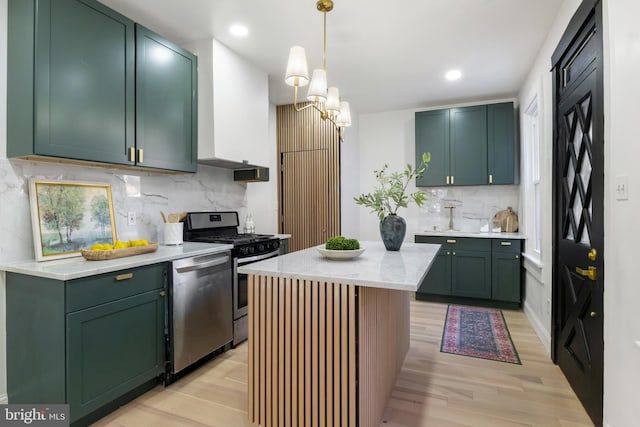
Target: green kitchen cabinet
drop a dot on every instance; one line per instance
(93, 342)
(432, 136)
(166, 103)
(70, 81)
(438, 280)
(471, 273)
(473, 269)
(506, 270)
(468, 145)
(502, 149)
(473, 145)
(74, 92)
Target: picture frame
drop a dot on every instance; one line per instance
(68, 216)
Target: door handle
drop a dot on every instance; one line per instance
(593, 254)
(591, 272)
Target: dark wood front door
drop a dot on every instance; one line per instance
(578, 276)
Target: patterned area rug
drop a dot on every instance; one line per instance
(478, 332)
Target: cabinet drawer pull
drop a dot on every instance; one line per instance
(451, 179)
(140, 155)
(447, 179)
(490, 179)
(125, 276)
(451, 241)
(132, 154)
(505, 243)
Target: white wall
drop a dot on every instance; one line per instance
(622, 228)
(389, 138)
(350, 180)
(537, 292)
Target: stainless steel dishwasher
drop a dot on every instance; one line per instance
(200, 309)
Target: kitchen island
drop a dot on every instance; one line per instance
(327, 338)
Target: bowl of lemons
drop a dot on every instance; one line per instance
(119, 249)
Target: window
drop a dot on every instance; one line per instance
(533, 202)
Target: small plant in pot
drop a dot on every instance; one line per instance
(389, 196)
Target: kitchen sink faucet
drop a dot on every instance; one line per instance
(451, 208)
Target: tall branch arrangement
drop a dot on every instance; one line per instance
(390, 195)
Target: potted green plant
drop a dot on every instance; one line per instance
(389, 196)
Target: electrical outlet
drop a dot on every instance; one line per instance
(548, 306)
(131, 218)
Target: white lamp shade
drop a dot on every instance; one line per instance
(297, 72)
(344, 118)
(333, 101)
(318, 87)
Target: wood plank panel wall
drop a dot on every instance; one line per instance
(308, 177)
(384, 333)
(302, 353)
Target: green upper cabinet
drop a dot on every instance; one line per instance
(166, 103)
(502, 159)
(70, 81)
(74, 91)
(469, 146)
(432, 135)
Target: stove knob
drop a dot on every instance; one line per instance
(243, 251)
(261, 248)
(251, 249)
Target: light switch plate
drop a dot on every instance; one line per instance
(622, 187)
(131, 218)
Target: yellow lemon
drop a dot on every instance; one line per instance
(96, 247)
(120, 245)
(107, 247)
(143, 242)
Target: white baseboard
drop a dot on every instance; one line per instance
(540, 330)
(4, 399)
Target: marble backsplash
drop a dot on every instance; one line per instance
(474, 206)
(144, 193)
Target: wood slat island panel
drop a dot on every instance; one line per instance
(323, 353)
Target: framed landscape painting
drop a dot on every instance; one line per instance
(69, 216)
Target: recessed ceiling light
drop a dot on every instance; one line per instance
(239, 30)
(453, 75)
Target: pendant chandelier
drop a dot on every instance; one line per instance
(325, 100)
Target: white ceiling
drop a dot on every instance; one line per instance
(383, 55)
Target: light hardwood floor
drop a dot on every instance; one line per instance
(434, 389)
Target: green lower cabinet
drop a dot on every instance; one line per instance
(93, 342)
(473, 268)
(113, 348)
(471, 274)
(438, 281)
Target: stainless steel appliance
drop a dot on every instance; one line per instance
(222, 227)
(200, 320)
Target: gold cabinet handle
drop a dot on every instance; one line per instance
(593, 314)
(505, 243)
(125, 276)
(132, 154)
(162, 293)
(140, 155)
(490, 179)
(451, 179)
(454, 253)
(591, 272)
(447, 179)
(451, 241)
(593, 254)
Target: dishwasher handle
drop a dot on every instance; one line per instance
(203, 265)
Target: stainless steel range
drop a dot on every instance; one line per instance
(222, 227)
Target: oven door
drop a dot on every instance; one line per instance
(240, 298)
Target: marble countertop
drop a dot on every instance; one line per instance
(474, 234)
(74, 268)
(376, 267)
